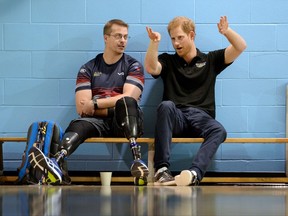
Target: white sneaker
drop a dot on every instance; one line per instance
(186, 177)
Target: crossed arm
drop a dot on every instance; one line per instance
(85, 106)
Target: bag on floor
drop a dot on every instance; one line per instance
(47, 136)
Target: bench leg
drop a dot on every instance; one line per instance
(1, 158)
(150, 162)
(286, 153)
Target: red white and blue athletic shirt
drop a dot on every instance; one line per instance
(108, 80)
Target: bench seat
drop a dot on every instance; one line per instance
(150, 143)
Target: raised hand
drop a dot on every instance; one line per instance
(223, 25)
(154, 36)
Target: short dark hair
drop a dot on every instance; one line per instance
(107, 28)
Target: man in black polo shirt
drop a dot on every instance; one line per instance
(188, 105)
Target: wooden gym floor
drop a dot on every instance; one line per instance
(210, 200)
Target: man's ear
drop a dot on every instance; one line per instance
(192, 34)
(105, 37)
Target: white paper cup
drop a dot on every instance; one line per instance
(105, 178)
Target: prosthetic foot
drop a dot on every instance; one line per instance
(138, 168)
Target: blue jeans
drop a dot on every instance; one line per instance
(186, 122)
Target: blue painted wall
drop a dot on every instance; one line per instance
(43, 44)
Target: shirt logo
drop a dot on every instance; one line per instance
(121, 74)
(200, 65)
(82, 70)
(97, 73)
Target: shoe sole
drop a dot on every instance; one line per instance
(184, 179)
(170, 183)
(138, 169)
(38, 161)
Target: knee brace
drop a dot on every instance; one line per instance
(127, 115)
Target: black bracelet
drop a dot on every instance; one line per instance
(110, 112)
(95, 103)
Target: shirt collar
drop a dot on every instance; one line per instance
(199, 56)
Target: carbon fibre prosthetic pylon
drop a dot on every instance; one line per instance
(127, 117)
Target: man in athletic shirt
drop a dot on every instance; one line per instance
(108, 90)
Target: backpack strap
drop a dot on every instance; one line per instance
(31, 139)
(49, 133)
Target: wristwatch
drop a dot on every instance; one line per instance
(95, 103)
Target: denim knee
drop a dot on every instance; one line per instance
(166, 106)
(222, 133)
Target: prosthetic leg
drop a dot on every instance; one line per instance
(70, 143)
(127, 117)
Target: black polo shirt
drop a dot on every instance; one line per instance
(192, 84)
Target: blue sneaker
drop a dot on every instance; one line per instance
(48, 166)
(139, 169)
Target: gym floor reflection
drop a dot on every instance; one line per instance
(147, 200)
